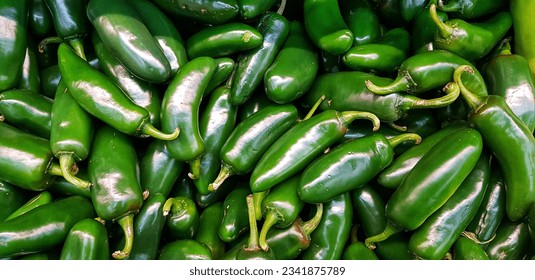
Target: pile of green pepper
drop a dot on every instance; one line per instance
(259, 130)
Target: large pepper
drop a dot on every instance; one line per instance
(115, 190)
(14, 37)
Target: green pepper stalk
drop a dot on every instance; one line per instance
(252, 251)
(509, 139)
(182, 217)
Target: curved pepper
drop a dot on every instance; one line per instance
(424, 28)
(348, 166)
(432, 181)
(115, 191)
(207, 11)
(235, 220)
(182, 217)
(14, 38)
(510, 140)
(69, 19)
(111, 105)
(87, 240)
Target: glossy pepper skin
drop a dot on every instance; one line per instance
(357, 250)
(253, 8)
(467, 249)
(420, 73)
(50, 77)
(376, 57)
(29, 76)
(216, 124)
(111, 105)
(223, 40)
(27, 110)
(470, 41)
(185, 249)
(280, 207)
(348, 166)
(180, 108)
(357, 12)
(410, 8)
(70, 22)
(343, 96)
(115, 189)
(326, 27)
(511, 142)
(87, 240)
(12, 199)
(142, 93)
(508, 75)
(434, 238)
(44, 227)
(148, 227)
(208, 231)
(522, 11)
(125, 34)
(251, 138)
(224, 69)
(42, 198)
(511, 242)
(235, 220)
(14, 41)
(253, 64)
(298, 146)
(39, 19)
(329, 238)
(181, 217)
(424, 28)
(207, 11)
(432, 181)
(26, 160)
(158, 169)
(471, 9)
(294, 69)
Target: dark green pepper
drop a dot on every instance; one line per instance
(326, 27)
(252, 251)
(510, 140)
(511, 242)
(294, 69)
(185, 249)
(328, 240)
(115, 191)
(208, 231)
(298, 146)
(70, 22)
(50, 77)
(424, 28)
(253, 64)
(355, 14)
(87, 240)
(253, 105)
(12, 199)
(111, 105)
(348, 166)
(27, 110)
(29, 76)
(253, 8)
(182, 217)
(435, 237)
(206, 11)
(44, 227)
(180, 108)
(467, 249)
(224, 69)
(410, 8)
(42, 198)
(471, 9)
(14, 17)
(432, 181)
(470, 40)
(39, 19)
(235, 215)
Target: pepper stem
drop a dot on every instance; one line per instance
(55, 169)
(252, 245)
(473, 101)
(450, 7)
(387, 232)
(270, 220)
(66, 163)
(281, 7)
(195, 168)
(258, 197)
(78, 46)
(398, 139)
(314, 108)
(127, 224)
(472, 236)
(174, 205)
(347, 117)
(401, 83)
(150, 130)
(310, 225)
(443, 29)
(451, 89)
(46, 41)
(224, 173)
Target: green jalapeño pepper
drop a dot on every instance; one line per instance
(280, 207)
(69, 22)
(87, 240)
(252, 251)
(421, 73)
(27, 110)
(13, 18)
(26, 161)
(208, 231)
(298, 146)
(42, 198)
(125, 34)
(182, 217)
(40, 19)
(471, 9)
(185, 249)
(253, 8)
(509, 76)
(357, 250)
(180, 108)
(44, 227)
(432, 181)
(424, 28)
(511, 242)
(348, 166)
(470, 40)
(510, 140)
(410, 8)
(251, 138)
(223, 40)
(374, 57)
(357, 12)
(434, 238)
(207, 11)
(467, 249)
(29, 76)
(12, 199)
(295, 68)
(115, 190)
(235, 220)
(71, 134)
(50, 77)
(111, 104)
(328, 240)
(326, 27)
(216, 124)
(253, 64)
(522, 12)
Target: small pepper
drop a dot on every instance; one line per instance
(87, 240)
(357, 250)
(511, 242)
(182, 217)
(235, 220)
(208, 231)
(467, 249)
